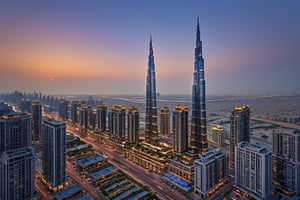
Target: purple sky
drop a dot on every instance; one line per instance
(101, 47)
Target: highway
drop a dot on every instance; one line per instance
(83, 183)
(138, 173)
(284, 124)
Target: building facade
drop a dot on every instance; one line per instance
(15, 131)
(17, 169)
(239, 131)
(25, 105)
(4, 109)
(75, 105)
(286, 160)
(180, 128)
(199, 142)
(151, 109)
(63, 109)
(36, 113)
(253, 170)
(217, 135)
(17, 164)
(54, 151)
(84, 115)
(165, 120)
(116, 121)
(211, 170)
(93, 119)
(133, 125)
(101, 117)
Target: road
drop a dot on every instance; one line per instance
(41, 188)
(84, 184)
(284, 124)
(138, 173)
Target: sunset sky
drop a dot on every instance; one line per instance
(101, 47)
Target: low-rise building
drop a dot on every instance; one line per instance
(90, 162)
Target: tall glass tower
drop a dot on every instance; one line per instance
(198, 128)
(151, 109)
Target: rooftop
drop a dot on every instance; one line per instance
(67, 192)
(85, 197)
(210, 156)
(15, 115)
(254, 147)
(126, 193)
(182, 184)
(138, 195)
(83, 162)
(102, 172)
(52, 121)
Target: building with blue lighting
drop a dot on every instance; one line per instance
(198, 127)
(54, 151)
(151, 109)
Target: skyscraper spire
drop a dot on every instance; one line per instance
(198, 33)
(198, 127)
(150, 46)
(151, 109)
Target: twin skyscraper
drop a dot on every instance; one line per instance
(198, 142)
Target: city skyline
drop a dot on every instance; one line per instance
(64, 48)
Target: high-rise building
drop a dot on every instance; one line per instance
(198, 127)
(101, 117)
(217, 135)
(4, 109)
(165, 120)
(180, 128)
(253, 170)
(63, 109)
(133, 127)
(25, 105)
(54, 151)
(116, 121)
(17, 169)
(15, 131)
(36, 113)
(210, 171)
(16, 157)
(84, 115)
(75, 105)
(239, 131)
(151, 109)
(92, 121)
(286, 160)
